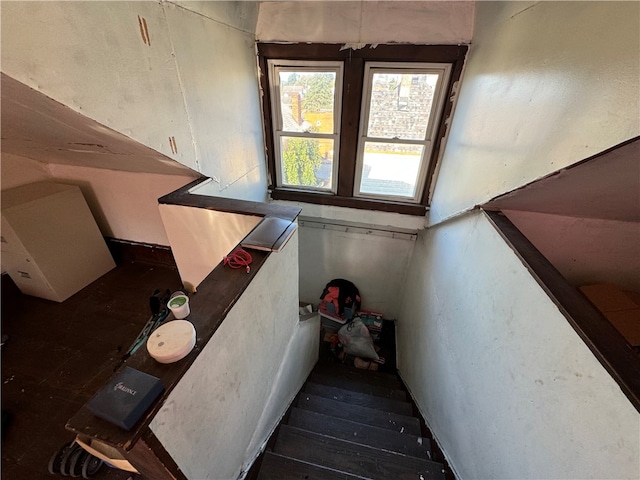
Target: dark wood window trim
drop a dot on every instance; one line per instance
(606, 343)
(354, 62)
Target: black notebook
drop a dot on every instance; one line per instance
(126, 397)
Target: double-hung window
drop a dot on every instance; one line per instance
(359, 128)
(306, 102)
(400, 108)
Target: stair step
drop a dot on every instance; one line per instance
(403, 443)
(353, 458)
(357, 375)
(356, 386)
(279, 467)
(365, 415)
(357, 398)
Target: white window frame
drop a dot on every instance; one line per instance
(275, 67)
(444, 72)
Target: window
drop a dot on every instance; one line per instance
(357, 128)
(306, 101)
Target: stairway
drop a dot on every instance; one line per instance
(348, 424)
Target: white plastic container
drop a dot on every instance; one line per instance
(172, 341)
(179, 305)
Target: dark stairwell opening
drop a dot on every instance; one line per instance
(352, 423)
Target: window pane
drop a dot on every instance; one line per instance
(390, 169)
(401, 105)
(307, 101)
(307, 162)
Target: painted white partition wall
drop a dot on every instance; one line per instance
(188, 89)
(218, 417)
(506, 385)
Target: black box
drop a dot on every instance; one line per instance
(126, 397)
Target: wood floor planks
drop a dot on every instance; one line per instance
(353, 458)
(384, 439)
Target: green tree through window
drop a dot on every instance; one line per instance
(319, 92)
(301, 159)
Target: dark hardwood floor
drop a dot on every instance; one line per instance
(58, 355)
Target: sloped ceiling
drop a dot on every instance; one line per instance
(36, 127)
(606, 187)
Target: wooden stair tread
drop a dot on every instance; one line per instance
(375, 437)
(353, 458)
(279, 467)
(356, 386)
(365, 415)
(357, 375)
(356, 398)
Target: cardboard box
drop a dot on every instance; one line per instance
(627, 322)
(608, 298)
(619, 307)
(372, 320)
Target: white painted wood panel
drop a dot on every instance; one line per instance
(181, 79)
(91, 57)
(219, 78)
(545, 85)
(433, 22)
(201, 238)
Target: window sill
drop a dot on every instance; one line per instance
(349, 202)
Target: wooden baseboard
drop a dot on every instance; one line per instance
(124, 251)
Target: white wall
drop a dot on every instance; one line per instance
(110, 194)
(372, 249)
(196, 82)
(585, 250)
(376, 264)
(17, 170)
(546, 84)
(506, 385)
(201, 238)
(508, 388)
(433, 22)
(216, 419)
(124, 204)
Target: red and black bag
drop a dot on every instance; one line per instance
(341, 297)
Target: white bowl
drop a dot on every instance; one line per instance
(172, 341)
